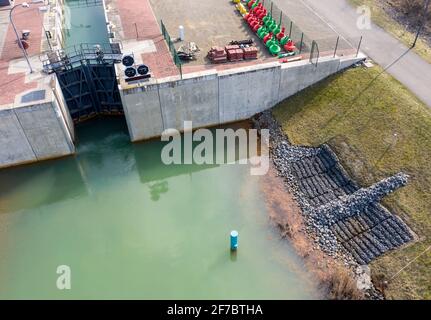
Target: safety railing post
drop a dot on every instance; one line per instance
(336, 46)
(359, 46)
(302, 42)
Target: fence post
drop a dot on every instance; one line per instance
(302, 42)
(290, 29)
(271, 8)
(171, 47)
(281, 18)
(161, 27)
(359, 46)
(336, 46)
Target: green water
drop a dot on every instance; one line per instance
(84, 23)
(130, 227)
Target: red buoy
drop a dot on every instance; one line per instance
(290, 46)
(257, 26)
(267, 37)
(258, 8)
(281, 35)
(252, 21)
(262, 14)
(249, 16)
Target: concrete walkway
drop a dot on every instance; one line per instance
(140, 30)
(410, 70)
(14, 81)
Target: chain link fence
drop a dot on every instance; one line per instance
(171, 47)
(302, 41)
(326, 46)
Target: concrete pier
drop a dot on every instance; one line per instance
(34, 120)
(206, 94)
(35, 123)
(35, 131)
(219, 96)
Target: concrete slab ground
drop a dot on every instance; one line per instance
(217, 22)
(15, 77)
(314, 26)
(135, 25)
(207, 23)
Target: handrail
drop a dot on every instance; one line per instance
(67, 57)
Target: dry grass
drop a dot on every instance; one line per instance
(375, 133)
(341, 286)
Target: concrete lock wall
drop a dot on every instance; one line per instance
(33, 133)
(60, 104)
(216, 97)
(243, 92)
(193, 98)
(14, 146)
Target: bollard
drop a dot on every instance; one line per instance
(234, 240)
(181, 32)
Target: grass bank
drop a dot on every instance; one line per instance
(377, 128)
(385, 21)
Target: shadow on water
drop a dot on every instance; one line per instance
(35, 185)
(152, 169)
(48, 182)
(104, 151)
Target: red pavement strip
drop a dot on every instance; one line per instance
(13, 84)
(139, 22)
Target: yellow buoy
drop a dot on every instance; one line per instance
(241, 8)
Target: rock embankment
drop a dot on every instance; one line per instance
(345, 221)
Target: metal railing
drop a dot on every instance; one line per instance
(84, 3)
(294, 32)
(73, 56)
(171, 47)
(326, 42)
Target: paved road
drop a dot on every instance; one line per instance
(411, 70)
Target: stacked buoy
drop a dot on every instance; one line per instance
(263, 24)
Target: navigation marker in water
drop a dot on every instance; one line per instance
(234, 240)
